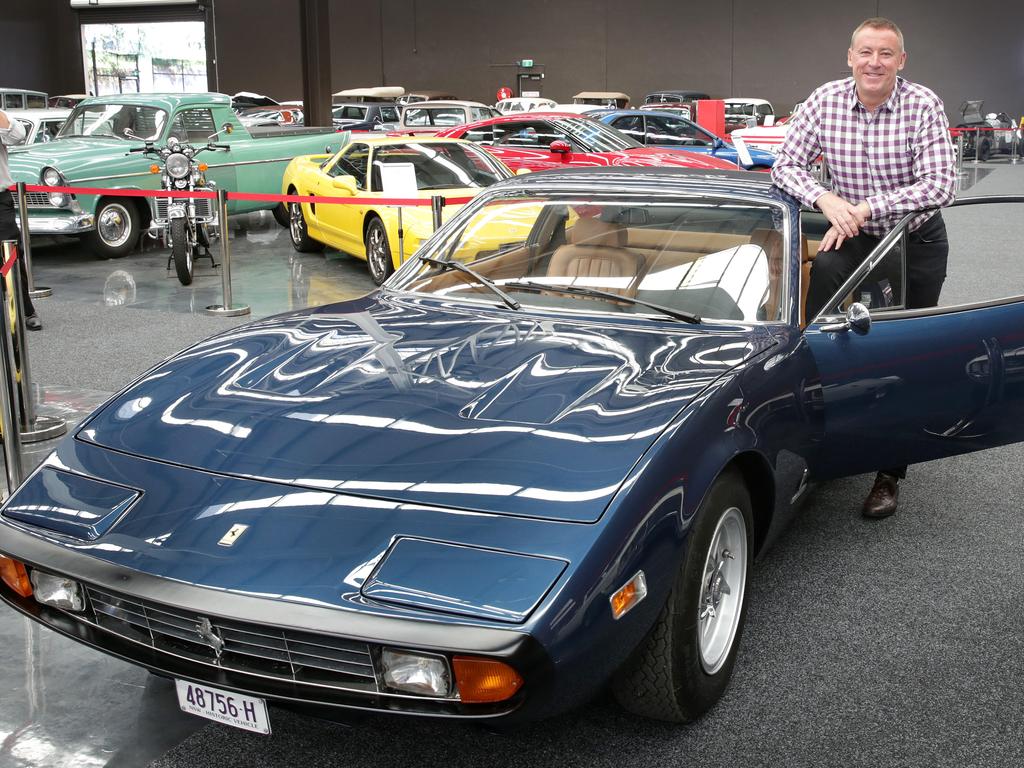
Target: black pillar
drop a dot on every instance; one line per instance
(316, 61)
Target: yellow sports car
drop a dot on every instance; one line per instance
(375, 168)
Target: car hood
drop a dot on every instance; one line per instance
(72, 157)
(405, 398)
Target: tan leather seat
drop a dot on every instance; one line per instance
(597, 249)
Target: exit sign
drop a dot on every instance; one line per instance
(526, 63)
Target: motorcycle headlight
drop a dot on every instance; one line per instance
(177, 165)
(51, 177)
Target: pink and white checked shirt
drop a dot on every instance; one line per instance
(899, 158)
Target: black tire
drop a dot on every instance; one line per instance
(281, 215)
(984, 150)
(378, 251)
(181, 251)
(669, 677)
(118, 228)
(301, 241)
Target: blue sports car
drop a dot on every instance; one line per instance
(539, 460)
(665, 130)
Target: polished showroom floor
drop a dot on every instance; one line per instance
(885, 643)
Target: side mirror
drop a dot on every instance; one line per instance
(346, 184)
(858, 319)
(717, 144)
(560, 147)
(228, 128)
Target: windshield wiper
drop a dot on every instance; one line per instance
(446, 264)
(580, 290)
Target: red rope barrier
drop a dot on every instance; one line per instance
(414, 201)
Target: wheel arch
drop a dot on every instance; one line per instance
(759, 478)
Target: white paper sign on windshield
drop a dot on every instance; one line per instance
(398, 179)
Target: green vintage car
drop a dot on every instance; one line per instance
(92, 151)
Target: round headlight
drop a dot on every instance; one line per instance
(59, 199)
(51, 177)
(177, 165)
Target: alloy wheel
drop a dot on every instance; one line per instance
(721, 593)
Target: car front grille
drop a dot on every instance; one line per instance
(205, 208)
(283, 654)
(38, 200)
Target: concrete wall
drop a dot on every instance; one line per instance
(778, 51)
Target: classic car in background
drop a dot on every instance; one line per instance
(442, 167)
(41, 125)
(674, 96)
(365, 116)
(996, 134)
(91, 151)
(19, 98)
(541, 141)
(615, 99)
(746, 113)
(388, 93)
(665, 130)
(536, 464)
(66, 100)
(680, 108)
(417, 95)
(429, 117)
(523, 104)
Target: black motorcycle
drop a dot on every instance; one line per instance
(188, 222)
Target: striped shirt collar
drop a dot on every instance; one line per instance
(889, 105)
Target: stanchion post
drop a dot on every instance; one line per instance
(1014, 147)
(9, 405)
(227, 309)
(436, 204)
(33, 428)
(977, 146)
(959, 151)
(35, 291)
(401, 238)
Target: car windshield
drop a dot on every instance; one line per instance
(739, 108)
(594, 136)
(440, 165)
(113, 120)
(676, 258)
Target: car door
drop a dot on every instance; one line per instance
(343, 222)
(922, 384)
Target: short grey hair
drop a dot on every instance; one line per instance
(878, 22)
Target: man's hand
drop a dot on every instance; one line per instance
(842, 215)
(832, 240)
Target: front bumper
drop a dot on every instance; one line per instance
(60, 225)
(118, 597)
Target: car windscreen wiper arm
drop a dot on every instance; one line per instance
(445, 264)
(580, 290)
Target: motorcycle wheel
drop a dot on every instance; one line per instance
(181, 251)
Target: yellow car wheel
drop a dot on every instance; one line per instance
(378, 252)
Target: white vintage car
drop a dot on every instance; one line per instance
(765, 136)
(523, 104)
(41, 125)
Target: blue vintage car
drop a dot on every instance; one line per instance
(665, 130)
(541, 458)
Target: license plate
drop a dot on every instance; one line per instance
(237, 709)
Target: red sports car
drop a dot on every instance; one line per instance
(544, 140)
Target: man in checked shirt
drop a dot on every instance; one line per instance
(886, 143)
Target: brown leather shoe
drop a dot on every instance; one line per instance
(882, 500)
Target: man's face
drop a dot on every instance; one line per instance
(874, 59)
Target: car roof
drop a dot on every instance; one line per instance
(645, 113)
(742, 100)
(39, 113)
(446, 103)
(601, 95)
(165, 100)
(519, 117)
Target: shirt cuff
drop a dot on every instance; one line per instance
(878, 206)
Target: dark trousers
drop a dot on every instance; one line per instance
(927, 252)
(9, 231)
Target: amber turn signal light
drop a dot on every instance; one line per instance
(15, 576)
(154, 169)
(484, 680)
(203, 167)
(628, 595)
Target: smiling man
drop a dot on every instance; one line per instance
(886, 144)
